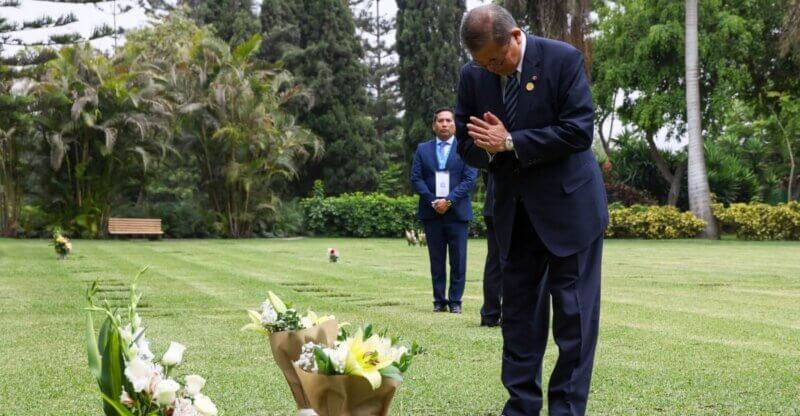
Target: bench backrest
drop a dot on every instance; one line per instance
(134, 226)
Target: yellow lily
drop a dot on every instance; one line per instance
(312, 319)
(366, 358)
(277, 303)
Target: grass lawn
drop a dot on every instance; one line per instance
(687, 327)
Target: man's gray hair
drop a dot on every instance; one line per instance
(486, 23)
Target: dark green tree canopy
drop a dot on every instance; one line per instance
(430, 58)
(316, 41)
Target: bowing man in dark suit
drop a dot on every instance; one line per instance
(524, 112)
(444, 184)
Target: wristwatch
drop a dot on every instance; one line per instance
(509, 143)
(449, 203)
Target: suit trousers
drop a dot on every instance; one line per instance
(492, 276)
(446, 236)
(573, 283)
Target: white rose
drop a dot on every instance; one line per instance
(139, 372)
(174, 354)
(166, 391)
(204, 406)
(194, 384)
(183, 407)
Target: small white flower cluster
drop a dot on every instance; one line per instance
(152, 384)
(307, 361)
(269, 316)
(337, 355)
(275, 316)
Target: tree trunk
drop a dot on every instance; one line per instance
(789, 186)
(676, 185)
(675, 180)
(699, 194)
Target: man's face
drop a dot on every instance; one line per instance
(501, 59)
(444, 127)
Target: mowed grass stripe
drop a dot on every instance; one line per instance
(687, 327)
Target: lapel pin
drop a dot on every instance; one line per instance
(530, 86)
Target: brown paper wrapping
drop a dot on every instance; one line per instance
(347, 395)
(286, 348)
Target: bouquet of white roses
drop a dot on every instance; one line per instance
(357, 376)
(288, 331)
(131, 381)
(62, 245)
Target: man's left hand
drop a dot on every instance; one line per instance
(440, 206)
(489, 134)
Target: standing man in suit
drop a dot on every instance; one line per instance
(444, 184)
(492, 276)
(525, 113)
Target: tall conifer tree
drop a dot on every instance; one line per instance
(430, 55)
(316, 41)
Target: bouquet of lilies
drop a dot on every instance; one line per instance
(132, 382)
(357, 376)
(62, 245)
(288, 331)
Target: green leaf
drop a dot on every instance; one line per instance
(392, 372)
(247, 48)
(117, 407)
(324, 363)
(112, 364)
(91, 347)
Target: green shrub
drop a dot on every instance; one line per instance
(34, 222)
(369, 215)
(652, 222)
(761, 221)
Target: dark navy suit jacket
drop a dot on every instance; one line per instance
(423, 180)
(554, 173)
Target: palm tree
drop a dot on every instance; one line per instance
(229, 116)
(99, 116)
(699, 194)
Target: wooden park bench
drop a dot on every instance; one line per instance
(150, 227)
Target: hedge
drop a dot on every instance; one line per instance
(758, 221)
(378, 215)
(652, 222)
(370, 215)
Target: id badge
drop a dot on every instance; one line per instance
(442, 184)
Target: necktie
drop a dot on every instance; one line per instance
(442, 155)
(511, 95)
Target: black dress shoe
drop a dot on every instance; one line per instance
(455, 308)
(488, 322)
(439, 308)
